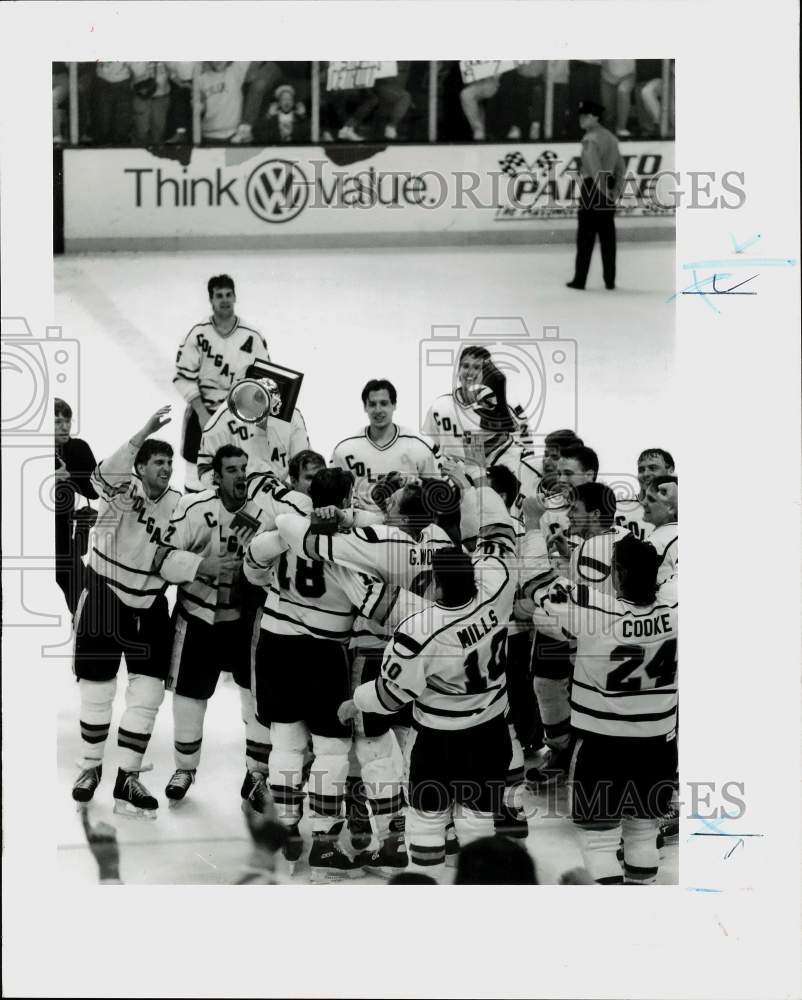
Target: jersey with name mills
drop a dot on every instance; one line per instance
(269, 449)
(450, 662)
(209, 363)
(448, 419)
(129, 527)
(625, 665)
(406, 451)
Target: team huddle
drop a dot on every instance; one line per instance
(398, 621)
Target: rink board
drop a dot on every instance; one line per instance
(356, 195)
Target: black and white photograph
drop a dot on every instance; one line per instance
(345, 404)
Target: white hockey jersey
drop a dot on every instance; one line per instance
(629, 515)
(666, 540)
(448, 419)
(269, 448)
(122, 542)
(625, 665)
(592, 560)
(406, 451)
(450, 662)
(202, 526)
(208, 363)
(522, 464)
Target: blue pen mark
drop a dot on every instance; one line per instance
(696, 888)
(740, 247)
(746, 262)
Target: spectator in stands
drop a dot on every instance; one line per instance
(584, 83)
(346, 112)
(228, 113)
(151, 102)
(517, 108)
(617, 83)
(649, 96)
(112, 104)
(495, 861)
(179, 116)
(394, 100)
(285, 121)
(61, 89)
(473, 97)
(561, 119)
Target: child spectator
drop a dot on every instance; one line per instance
(285, 120)
(151, 102)
(113, 108)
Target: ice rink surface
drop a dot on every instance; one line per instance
(341, 317)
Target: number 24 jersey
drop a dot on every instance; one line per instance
(625, 667)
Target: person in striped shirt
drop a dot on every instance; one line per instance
(211, 358)
(449, 661)
(123, 611)
(202, 552)
(623, 710)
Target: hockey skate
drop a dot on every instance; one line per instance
(358, 816)
(390, 859)
(86, 783)
(254, 790)
(669, 826)
(511, 822)
(329, 863)
(178, 785)
(131, 798)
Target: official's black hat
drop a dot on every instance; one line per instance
(590, 108)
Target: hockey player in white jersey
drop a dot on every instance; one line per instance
(213, 355)
(623, 710)
(123, 611)
(660, 508)
(202, 552)
(448, 660)
(630, 515)
(269, 444)
(454, 413)
(381, 447)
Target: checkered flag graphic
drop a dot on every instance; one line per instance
(546, 161)
(513, 164)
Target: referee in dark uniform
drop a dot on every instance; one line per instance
(602, 171)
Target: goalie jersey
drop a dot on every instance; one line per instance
(625, 665)
(130, 525)
(269, 449)
(208, 363)
(450, 662)
(201, 526)
(404, 452)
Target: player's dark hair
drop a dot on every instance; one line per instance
(453, 571)
(226, 451)
(597, 496)
(412, 878)
(660, 453)
(62, 408)
(301, 459)
(637, 564)
(475, 351)
(504, 481)
(432, 501)
(586, 457)
(220, 281)
(562, 438)
(151, 447)
(495, 861)
(330, 487)
(376, 385)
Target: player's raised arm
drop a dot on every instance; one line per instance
(118, 469)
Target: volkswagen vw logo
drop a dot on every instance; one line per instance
(277, 190)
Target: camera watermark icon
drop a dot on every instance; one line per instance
(540, 375)
(35, 371)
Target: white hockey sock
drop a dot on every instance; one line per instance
(257, 736)
(641, 857)
(381, 779)
(188, 716)
(143, 696)
(555, 710)
(286, 769)
(97, 698)
(426, 842)
(599, 846)
(471, 824)
(514, 779)
(327, 781)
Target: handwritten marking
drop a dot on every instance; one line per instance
(746, 262)
(695, 888)
(738, 843)
(740, 247)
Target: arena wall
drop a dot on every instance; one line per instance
(356, 195)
